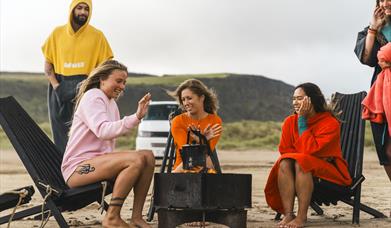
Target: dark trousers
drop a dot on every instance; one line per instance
(381, 137)
(61, 108)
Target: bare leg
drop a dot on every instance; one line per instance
(141, 188)
(304, 187)
(286, 187)
(124, 167)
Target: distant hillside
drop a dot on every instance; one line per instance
(241, 97)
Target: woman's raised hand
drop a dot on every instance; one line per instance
(143, 105)
(212, 131)
(305, 107)
(378, 18)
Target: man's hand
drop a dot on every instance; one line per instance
(49, 72)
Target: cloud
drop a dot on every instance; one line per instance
(291, 40)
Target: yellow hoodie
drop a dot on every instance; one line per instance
(76, 53)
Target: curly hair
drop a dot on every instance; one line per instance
(200, 89)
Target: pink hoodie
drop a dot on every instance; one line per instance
(96, 124)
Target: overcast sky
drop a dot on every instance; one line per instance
(290, 40)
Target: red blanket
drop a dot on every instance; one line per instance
(377, 104)
(310, 150)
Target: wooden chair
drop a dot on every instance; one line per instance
(43, 160)
(352, 143)
(11, 198)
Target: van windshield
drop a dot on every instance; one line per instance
(160, 112)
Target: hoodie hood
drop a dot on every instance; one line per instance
(71, 7)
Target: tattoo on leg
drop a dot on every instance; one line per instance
(85, 169)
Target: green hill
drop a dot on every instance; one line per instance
(241, 97)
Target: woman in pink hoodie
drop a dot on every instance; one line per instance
(89, 156)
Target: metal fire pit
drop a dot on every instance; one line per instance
(218, 198)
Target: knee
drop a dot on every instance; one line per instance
(298, 168)
(136, 162)
(149, 158)
(145, 158)
(286, 165)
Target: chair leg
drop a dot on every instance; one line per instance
(22, 214)
(151, 211)
(105, 205)
(316, 208)
(365, 208)
(57, 214)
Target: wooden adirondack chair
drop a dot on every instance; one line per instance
(11, 198)
(42, 160)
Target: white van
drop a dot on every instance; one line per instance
(153, 130)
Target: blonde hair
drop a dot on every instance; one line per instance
(196, 86)
(102, 72)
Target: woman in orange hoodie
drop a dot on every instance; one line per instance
(200, 106)
(309, 147)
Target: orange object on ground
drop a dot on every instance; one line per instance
(179, 131)
(319, 143)
(377, 104)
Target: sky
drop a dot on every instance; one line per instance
(290, 40)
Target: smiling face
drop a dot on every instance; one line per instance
(80, 13)
(386, 6)
(192, 103)
(297, 100)
(114, 84)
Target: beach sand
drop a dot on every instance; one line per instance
(376, 193)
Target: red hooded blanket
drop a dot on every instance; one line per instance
(312, 151)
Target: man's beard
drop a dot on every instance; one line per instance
(79, 20)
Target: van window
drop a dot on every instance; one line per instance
(160, 112)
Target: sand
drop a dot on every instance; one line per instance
(376, 193)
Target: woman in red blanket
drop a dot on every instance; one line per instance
(309, 148)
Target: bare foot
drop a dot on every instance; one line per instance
(139, 223)
(287, 218)
(296, 223)
(114, 222)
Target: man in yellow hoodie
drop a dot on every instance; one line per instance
(71, 52)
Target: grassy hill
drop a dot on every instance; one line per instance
(252, 107)
(241, 97)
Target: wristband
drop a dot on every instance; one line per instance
(372, 30)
